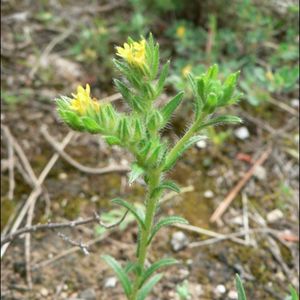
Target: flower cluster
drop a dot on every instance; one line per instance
(134, 53)
(82, 100)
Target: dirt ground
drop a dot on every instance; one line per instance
(266, 257)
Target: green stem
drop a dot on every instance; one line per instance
(174, 152)
(153, 183)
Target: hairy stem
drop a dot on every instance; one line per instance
(153, 183)
(174, 152)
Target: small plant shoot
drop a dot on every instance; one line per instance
(142, 82)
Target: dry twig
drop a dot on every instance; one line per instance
(70, 224)
(232, 194)
(74, 163)
(36, 191)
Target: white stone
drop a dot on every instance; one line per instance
(238, 220)
(94, 198)
(179, 240)
(62, 176)
(208, 194)
(295, 103)
(220, 289)
(110, 282)
(260, 173)
(201, 144)
(232, 295)
(242, 133)
(199, 290)
(274, 215)
(44, 292)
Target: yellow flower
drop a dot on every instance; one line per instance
(180, 32)
(82, 100)
(134, 54)
(269, 75)
(186, 70)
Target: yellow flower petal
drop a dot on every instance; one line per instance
(82, 100)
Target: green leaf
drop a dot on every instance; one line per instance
(154, 156)
(166, 222)
(162, 78)
(212, 72)
(136, 171)
(294, 295)
(240, 288)
(226, 119)
(157, 265)
(145, 290)
(112, 140)
(171, 106)
(131, 208)
(170, 185)
(121, 274)
(170, 162)
(123, 130)
(138, 130)
(90, 125)
(211, 103)
(124, 90)
(72, 119)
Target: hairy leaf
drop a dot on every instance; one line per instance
(166, 222)
(131, 208)
(294, 295)
(170, 162)
(155, 266)
(171, 106)
(136, 172)
(240, 288)
(90, 125)
(226, 119)
(162, 78)
(145, 290)
(121, 274)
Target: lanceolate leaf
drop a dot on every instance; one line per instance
(294, 295)
(162, 78)
(72, 119)
(145, 290)
(166, 222)
(170, 107)
(155, 266)
(240, 288)
(131, 208)
(170, 162)
(90, 125)
(227, 119)
(136, 172)
(171, 185)
(121, 274)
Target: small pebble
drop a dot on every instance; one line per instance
(201, 144)
(220, 289)
(110, 282)
(260, 173)
(44, 292)
(94, 198)
(88, 294)
(64, 295)
(295, 103)
(208, 194)
(62, 176)
(232, 294)
(179, 240)
(242, 133)
(237, 220)
(199, 290)
(274, 215)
